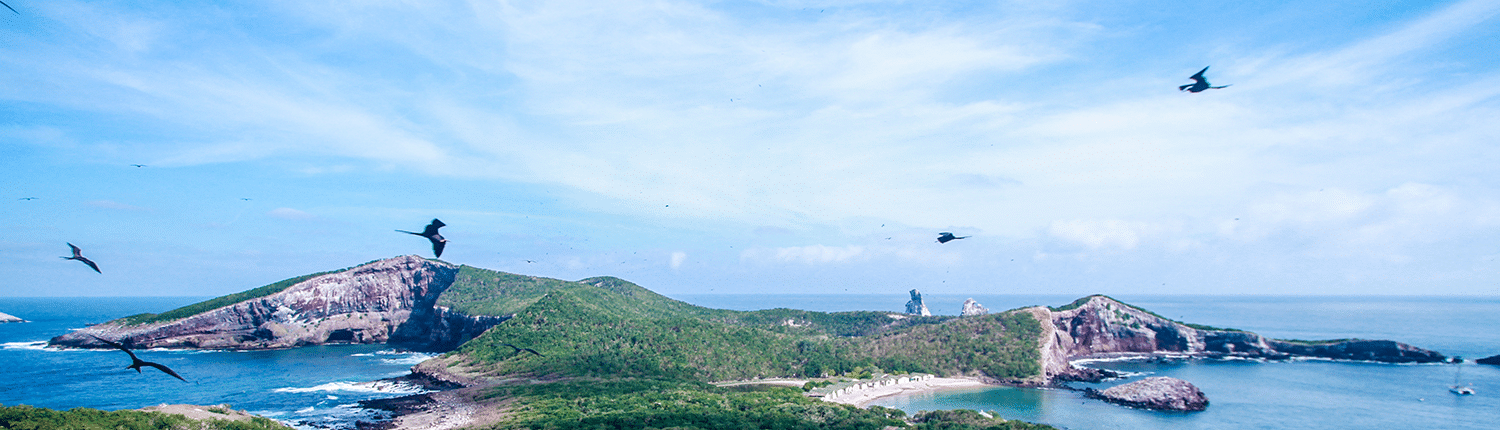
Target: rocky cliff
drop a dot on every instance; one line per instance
(387, 301)
(916, 306)
(6, 318)
(1099, 326)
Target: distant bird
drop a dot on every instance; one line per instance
(138, 165)
(529, 261)
(78, 255)
(431, 233)
(11, 8)
(136, 362)
(27, 198)
(944, 237)
(245, 199)
(1199, 83)
(519, 349)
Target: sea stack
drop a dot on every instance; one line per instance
(1495, 360)
(1159, 393)
(915, 306)
(973, 308)
(8, 318)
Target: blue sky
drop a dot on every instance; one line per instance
(757, 147)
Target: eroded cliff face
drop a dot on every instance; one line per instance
(1103, 327)
(387, 301)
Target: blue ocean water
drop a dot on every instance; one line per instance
(313, 387)
(319, 386)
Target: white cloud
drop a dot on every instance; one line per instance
(1100, 234)
(678, 258)
(289, 213)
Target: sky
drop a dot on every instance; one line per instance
(757, 147)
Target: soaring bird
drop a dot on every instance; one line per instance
(138, 165)
(519, 349)
(136, 362)
(77, 255)
(431, 233)
(27, 198)
(944, 237)
(1199, 84)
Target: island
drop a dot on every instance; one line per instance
(611, 353)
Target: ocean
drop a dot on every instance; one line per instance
(319, 387)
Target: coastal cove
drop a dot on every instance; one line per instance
(338, 394)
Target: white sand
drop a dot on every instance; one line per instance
(861, 397)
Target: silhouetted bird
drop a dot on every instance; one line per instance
(519, 349)
(431, 233)
(138, 165)
(27, 198)
(11, 8)
(1199, 83)
(77, 255)
(944, 237)
(136, 362)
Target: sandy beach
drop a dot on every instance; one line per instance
(861, 397)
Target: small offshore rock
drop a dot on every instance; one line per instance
(8, 318)
(1494, 360)
(915, 306)
(972, 308)
(1159, 393)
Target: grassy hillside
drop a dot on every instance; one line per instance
(28, 418)
(607, 327)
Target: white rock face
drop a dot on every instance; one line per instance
(391, 300)
(915, 306)
(1159, 392)
(7, 318)
(972, 308)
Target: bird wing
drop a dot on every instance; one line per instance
(517, 348)
(90, 263)
(533, 351)
(117, 345)
(1199, 76)
(432, 228)
(11, 8)
(77, 253)
(163, 369)
(437, 247)
(411, 232)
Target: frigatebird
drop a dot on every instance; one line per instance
(519, 349)
(431, 233)
(137, 362)
(27, 198)
(944, 237)
(1199, 84)
(78, 255)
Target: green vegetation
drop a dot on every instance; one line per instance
(606, 327)
(632, 403)
(1080, 302)
(622, 356)
(30, 418)
(219, 302)
(966, 419)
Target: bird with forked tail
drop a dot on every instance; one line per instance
(78, 255)
(431, 233)
(136, 362)
(1199, 84)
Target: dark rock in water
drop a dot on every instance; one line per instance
(1360, 349)
(1159, 393)
(1087, 374)
(1495, 360)
(915, 306)
(391, 301)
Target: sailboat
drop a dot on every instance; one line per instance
(1462, 390)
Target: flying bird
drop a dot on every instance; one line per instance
(1199, 84)
(136, 362)
(78, 255)
(519, 349)
(944, 237)
(138, 165)
(27, 198)
(431, 233)
(11, 8)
